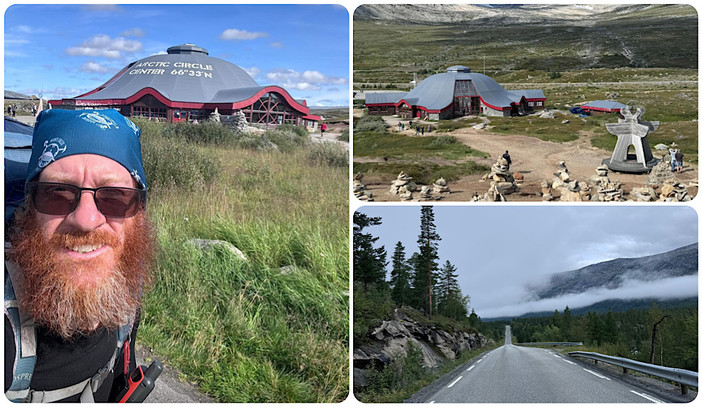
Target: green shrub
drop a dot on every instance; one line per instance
(370, 123)
(443, 140)
(174, 162)
(329, 153)
(202, 133)
(287, 137)
(344, 135)
(401, 371)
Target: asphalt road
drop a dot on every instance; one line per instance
(514, 374)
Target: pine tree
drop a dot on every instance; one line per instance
(450, 301)
(400, 277)
(426, 264)
(368, 262)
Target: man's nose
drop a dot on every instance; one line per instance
(86, 216)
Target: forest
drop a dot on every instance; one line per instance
(663, 336)
(417, 280)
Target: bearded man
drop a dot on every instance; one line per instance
(78, 259)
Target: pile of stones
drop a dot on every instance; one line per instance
(661, 173)
(403, 186)
(359, 189)
(673, 191)
(440, 187)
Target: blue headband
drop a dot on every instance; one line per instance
(60, 133)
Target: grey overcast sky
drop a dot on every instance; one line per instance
(501, 250)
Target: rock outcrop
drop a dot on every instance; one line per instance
(393, 338)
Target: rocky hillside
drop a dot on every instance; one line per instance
(574, 14)
(393, 338)
(611, 274)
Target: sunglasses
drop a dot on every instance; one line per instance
(53, 198)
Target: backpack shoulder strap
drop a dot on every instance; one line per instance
(25, 340)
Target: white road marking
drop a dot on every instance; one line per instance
(454, 382)
(568, 361)
(432, 402)
(479, 361)
(647, 397)
(598, 375)
(469, 369)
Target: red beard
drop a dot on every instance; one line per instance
(70, 297)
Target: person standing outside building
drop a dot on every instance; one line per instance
(78, 259)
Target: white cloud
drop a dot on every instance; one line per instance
(104, 46)
(308, 80)
(235, 34)
(253, 71)
(134, 32)
(277, 45)
(91, 66)
(669, 288)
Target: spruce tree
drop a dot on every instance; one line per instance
(368, 261)
(426, 264)
(450, 301)
(400, 277)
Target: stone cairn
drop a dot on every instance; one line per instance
(501, 182)
(403, 186)
(215, 116)
(359, 189)
(440, 187)
(673, 191)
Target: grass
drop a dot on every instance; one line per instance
(270, 329)
(423, 172)
(398, 146)
(419, 380)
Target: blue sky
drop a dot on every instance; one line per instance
(500, 251)
(65, 50)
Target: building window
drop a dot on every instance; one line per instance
(531, 104)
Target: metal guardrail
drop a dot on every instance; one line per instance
(682, 376)
(550, 344)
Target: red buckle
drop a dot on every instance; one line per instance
(126, 357)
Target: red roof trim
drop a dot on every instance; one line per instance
(188, 105)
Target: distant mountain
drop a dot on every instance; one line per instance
(15, 95)
(510, 14)
(611, 274)
(603, 307)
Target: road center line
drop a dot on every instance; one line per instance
(470, 368)
(454, 382)
(598, 375)
(647, 397)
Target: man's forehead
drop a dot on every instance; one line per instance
(77, 168)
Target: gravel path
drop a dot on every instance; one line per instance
(536, 159)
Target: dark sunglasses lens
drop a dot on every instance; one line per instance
(118, 202)
(55, 199)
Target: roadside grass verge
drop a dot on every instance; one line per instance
(423, 172)
(404, 377)
(273, 328)
(398, 146)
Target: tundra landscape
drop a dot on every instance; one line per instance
(574, 54)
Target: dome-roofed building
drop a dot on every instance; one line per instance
(187, 84)
(454, 93)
